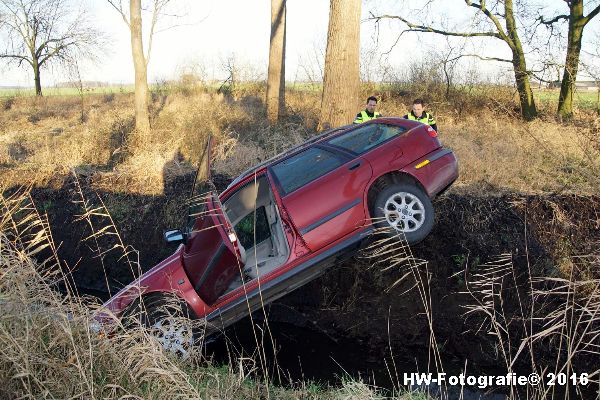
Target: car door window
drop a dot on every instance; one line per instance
(305, 167)
(366, 137)
(246, 228)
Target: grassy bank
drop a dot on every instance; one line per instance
(46, 137)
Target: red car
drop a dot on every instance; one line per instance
(282, 223)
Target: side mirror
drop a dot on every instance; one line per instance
(174, 237)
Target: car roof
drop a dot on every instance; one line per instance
(317, 138)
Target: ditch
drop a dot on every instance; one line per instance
(357, 320)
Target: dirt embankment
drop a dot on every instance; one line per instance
(538, 234)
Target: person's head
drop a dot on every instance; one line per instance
(418, 107)
(371, 104)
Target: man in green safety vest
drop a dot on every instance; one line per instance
(418, 114)
(369, 113)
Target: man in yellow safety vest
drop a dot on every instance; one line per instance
(369, 113)
(418, 114)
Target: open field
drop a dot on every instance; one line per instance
(546, 98)
(584, 99)
(64, 91)
(43, 137)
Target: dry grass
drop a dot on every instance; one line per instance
(43, 138)
(544, 325)
(540, 156)
(548, 324)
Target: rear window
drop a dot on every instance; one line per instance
(365, 138)
(304, 167)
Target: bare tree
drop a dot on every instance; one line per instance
(141, 58)
(448, 59)
(312, 64)
(276, 75)
(38, 33)
(501, 24)
(341, 82)
(232, 69)
(577, 22)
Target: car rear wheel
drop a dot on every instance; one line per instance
(404, 209)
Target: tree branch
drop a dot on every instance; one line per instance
(119, 10)
(591, 15)
(155, 13)
(16, 57)
(553, 20)
(55, 51)
(482, 58)
(481, 6)
(429, 29)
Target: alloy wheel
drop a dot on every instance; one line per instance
(404, 212)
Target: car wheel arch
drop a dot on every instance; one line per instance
(384, 181)
(152, 299)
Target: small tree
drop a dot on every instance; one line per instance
(577, 22)
(141, 58)
(38, 33)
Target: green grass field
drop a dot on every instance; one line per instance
(584, 99)
(546, 98)
(64, 91)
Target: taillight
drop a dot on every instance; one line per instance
(431, 132)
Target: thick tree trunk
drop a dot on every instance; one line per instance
(341, 82)
(36, 77)
(576, 25)
(142, 117)
(528, 109)
(276, 76)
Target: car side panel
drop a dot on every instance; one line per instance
(166, 277)
(331, 206)
(401, 151)
(436, 171)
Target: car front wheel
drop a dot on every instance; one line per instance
(404, 209)
(167, 320)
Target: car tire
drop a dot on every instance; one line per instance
(404, 208)
(168, 321)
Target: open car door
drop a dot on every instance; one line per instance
(210, 258)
